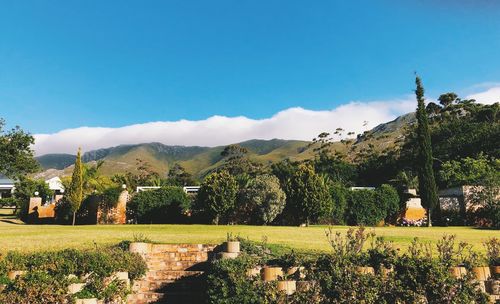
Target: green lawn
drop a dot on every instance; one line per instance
(39, 237)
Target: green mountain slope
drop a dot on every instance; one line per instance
(199, 160)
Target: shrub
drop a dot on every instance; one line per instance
(362, 208)
(417, 276)
(217, 195)
(339, 195)
(8, 201)
(164, 205)
(387, 198)
(262, 200)
(36, 287)
(47, 279)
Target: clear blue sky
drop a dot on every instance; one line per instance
(109, 63)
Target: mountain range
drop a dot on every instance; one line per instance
(200, 160)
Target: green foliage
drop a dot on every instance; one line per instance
(333, 278)
(8, 202)
(46, 280)
(26, 188)
(363, 208)
(262, 200)
(217, 195)
(16, 155)
(74, 193)
(387, 199)
(36, 287)
(339, 194)
(177, 176)
(469, 171)
(309, 196)
(164, 205)
(427, 183)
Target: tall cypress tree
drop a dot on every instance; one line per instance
(427, 182)
(75, 191)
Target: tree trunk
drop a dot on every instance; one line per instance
(74, 218)
(216, 220)
(429, 222)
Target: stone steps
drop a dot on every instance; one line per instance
(173, 274)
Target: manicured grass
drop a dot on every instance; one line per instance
(41, 237)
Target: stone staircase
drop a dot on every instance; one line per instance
(174, 274)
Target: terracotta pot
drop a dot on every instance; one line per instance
(271, 273)
(493, 287)
(75, 287)
(458, 272)
(481, 273)
(297, 272)
(253, 272)
(86, 301)
(139, 247)
(495, 270)
(13, 274)
(365, 270)
(228, 255)
(288, 287)
(232, 246)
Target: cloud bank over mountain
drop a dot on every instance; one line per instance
(293, 123)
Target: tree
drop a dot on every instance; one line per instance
(16, 155)
(263, 199)
(178, 176)
(469, 171)
(447, 99)
(309, 196)
(217, 194)
(74, 193)
(427, 182)
(236, 161)
(432, 108)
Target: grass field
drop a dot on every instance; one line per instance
(17, 236)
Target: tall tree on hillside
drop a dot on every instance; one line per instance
(75, 191)
(427, 182)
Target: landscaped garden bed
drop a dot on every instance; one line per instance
(356, 272)
(69, 276)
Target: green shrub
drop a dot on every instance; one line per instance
(164, 205)
(53, 267)
(36, 287)
(8, 201)
(363, 209)
(261, 201)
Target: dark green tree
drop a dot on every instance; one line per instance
(309, 196)
(447, 99)
(16, 155)
(217, 195)
(177, 176)
(74, 193)
(427, 182)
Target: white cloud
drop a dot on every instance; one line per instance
(490, 96)
(293, 123)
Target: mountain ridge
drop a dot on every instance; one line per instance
(198, 160)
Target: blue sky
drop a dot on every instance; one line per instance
(67, 64)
